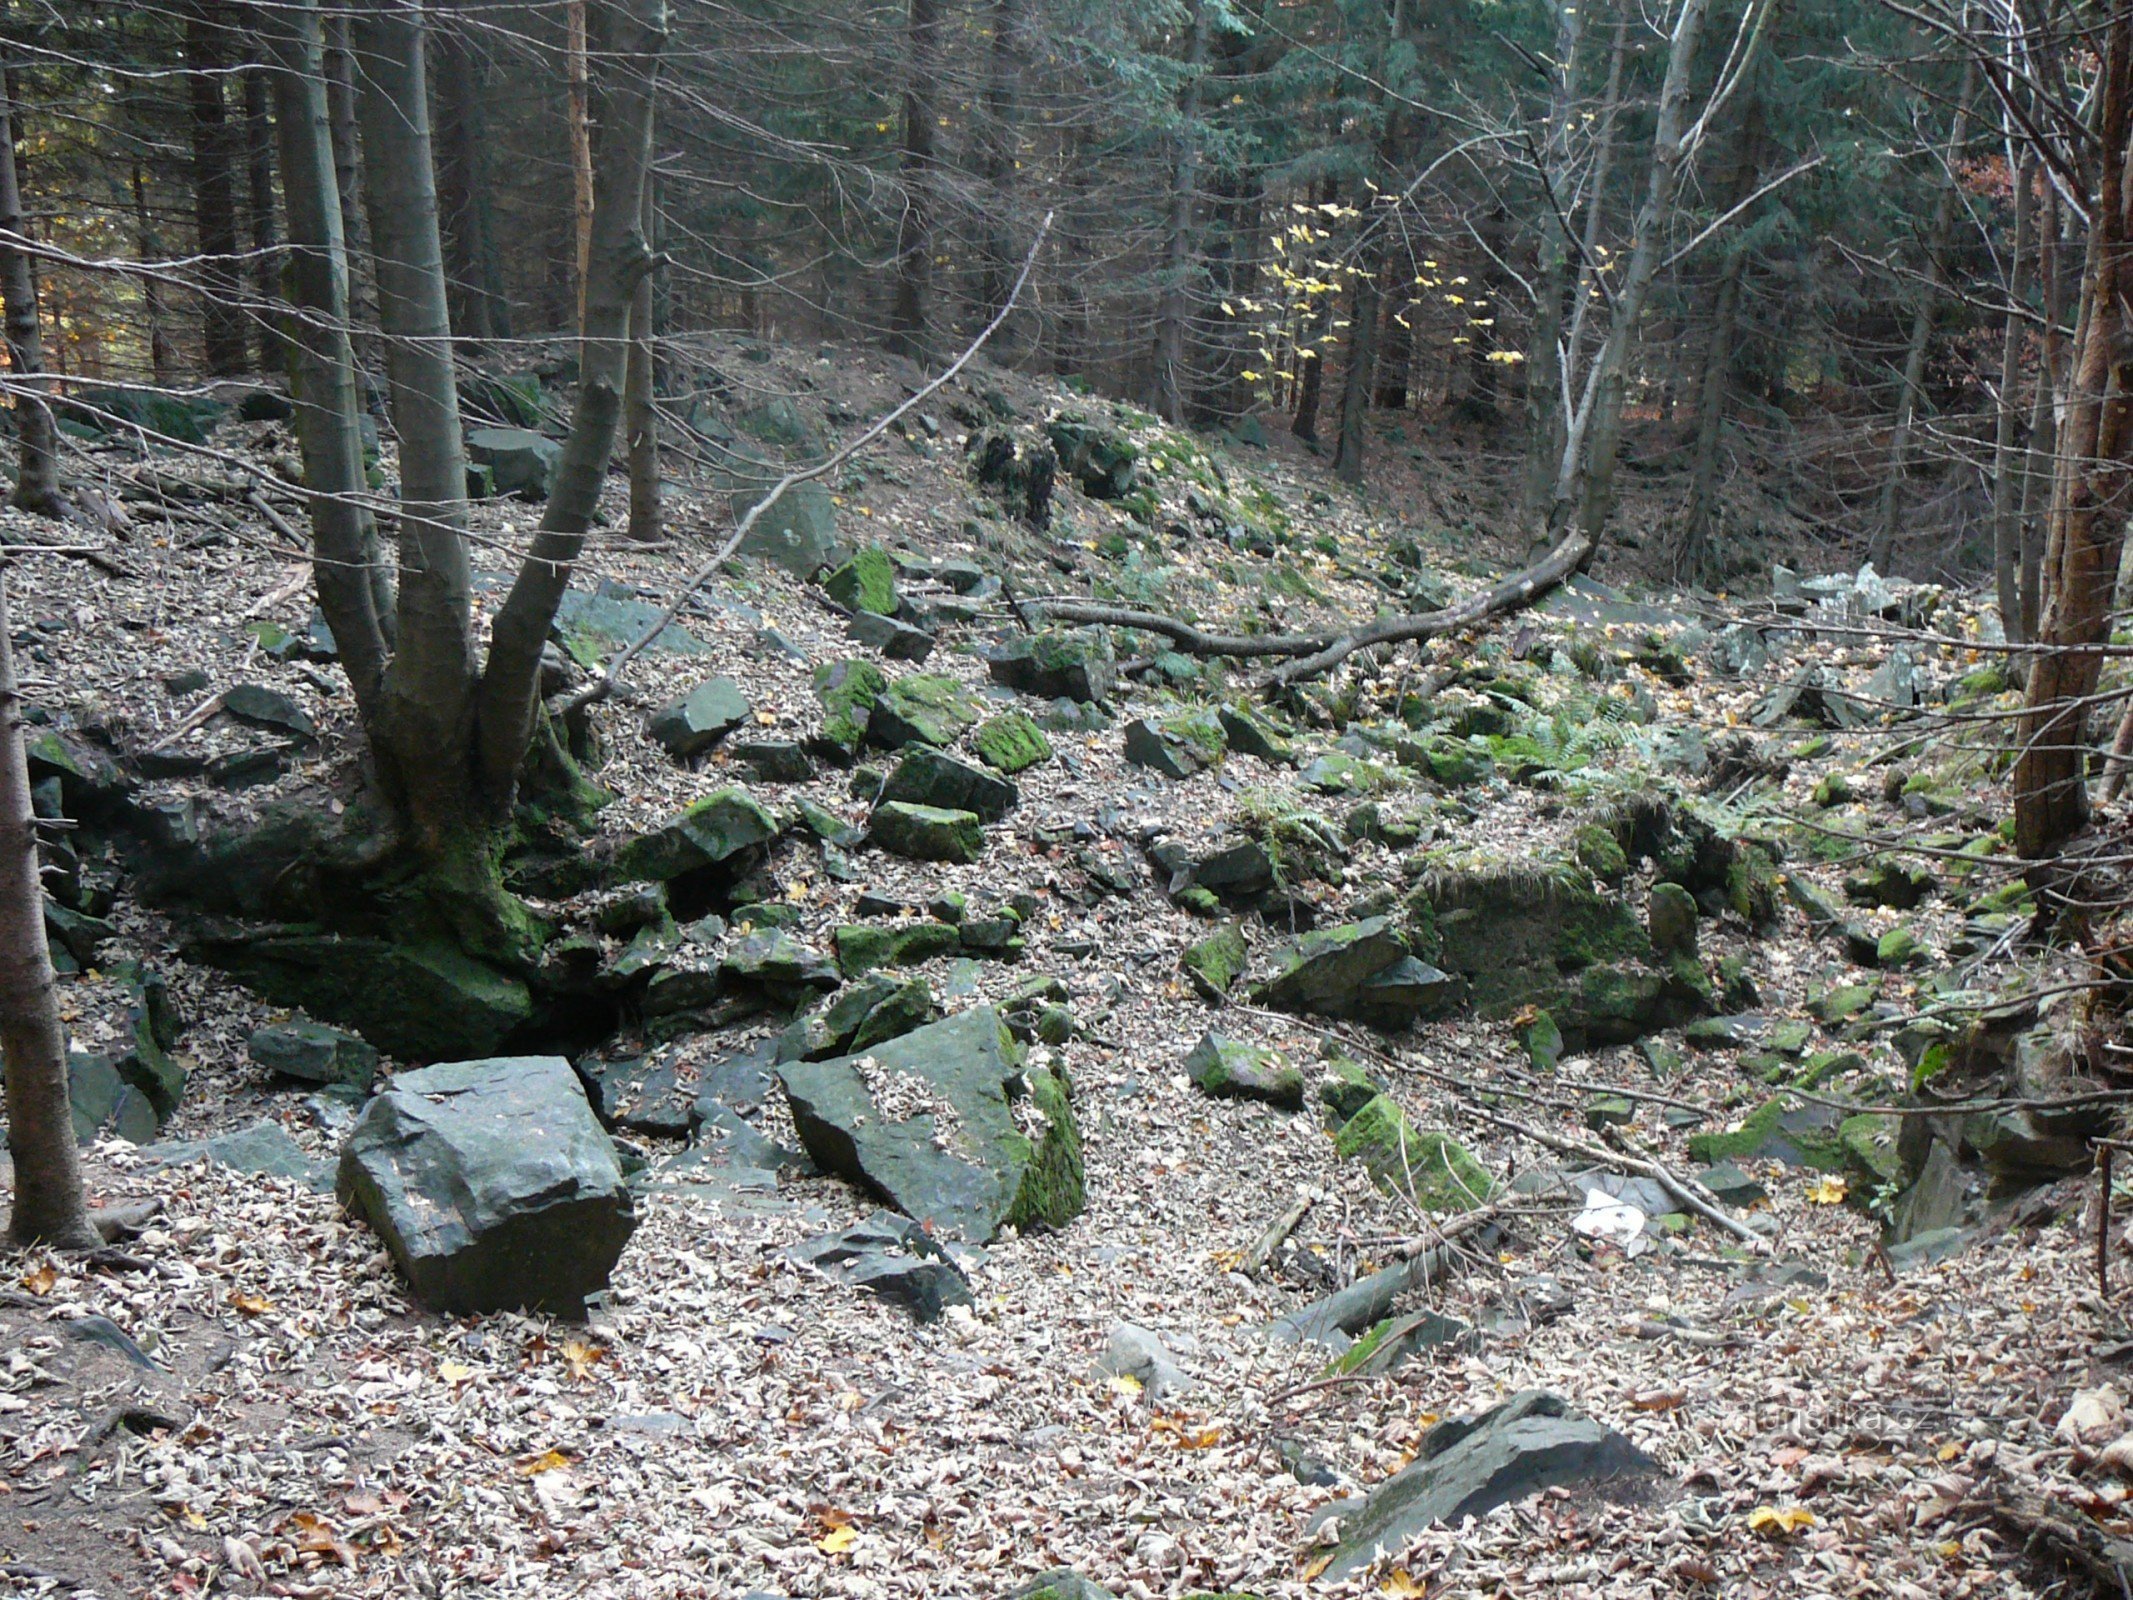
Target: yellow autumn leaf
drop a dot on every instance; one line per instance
(581, 1356)
(1404, 1585)
(252, 1305)
(546, 1461)
(1829, 1191)
(1313, 1568)
(454, 1372)
(41, 1281)
(837, 1540)
(1775, 1522)
(1128, 1385)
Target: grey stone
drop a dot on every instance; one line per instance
(262, 707)
(1060, 1585)
(925, 1121)
(798, 531)
(1671, 917)
(314, 1053)
(1361, 970)
(927, 833)
(775, 760)
(492, 1185)
(520, 461)
(1139, 1353)
(262, 1148)
(894, 1258)
(930, 777)
(1335, 1320)
(723, 825)
(692, 723)
(1077, 665)
(1468, 1466)
(590, 626)
(898, 641)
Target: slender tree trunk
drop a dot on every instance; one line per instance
(1000, 135)
(50, 1207)
(578, 77)
(1167, 384)
(37, 445)
(634, 41)
(1315, 324)
(2040, 467)
(1882, 550)
(266, 238)
(323, 380)
(910, 326)
(1397, 353)
(1591, 450)
(214, 189)
(1693, 555)
(1348, 448)
(480, 309)
(2092, 493)
(422, 734)
(640, 415)
(162, 365)
(2006, 488)
(1544, 351)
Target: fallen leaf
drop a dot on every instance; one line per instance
(1404, 1585)
(252, 1305)
(581, 1356)
(1659, 1400)
(454, 1371)
(546, 1461)
(41, 1281)
(837, 1540)
(1774, 1522)
(1829, 1191)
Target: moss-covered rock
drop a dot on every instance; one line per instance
(1346, 1088)
(1670, 916)
(1011, 743)
(863, 946)
(1752, 885)
(1053, 1190)
(1058, 664)
(712, 832)
(1177, 746)
(1430, 1167)
(1803, 1136)
(1215, 963)
(1599, 852)
(1362, 970)
(927, 833)
(1230, 1069)
(867, 582)
(1895, 884)
(923, 708)
(847, 689)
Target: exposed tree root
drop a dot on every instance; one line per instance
(2062, 1544)
(1314, 654)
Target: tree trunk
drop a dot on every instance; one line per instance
(214, 189)
(910, 326)
(2092, 492)
(259, 173)
(1693, 553)
(49, 1204)
(634, 41)
(640, 415)
(578, 78)
(1585, 487)
(1348, 448)
(1000, 134)
(323, 376)
(422, 733)
(2006, 489)
(37, 470)
(162, 365)
(1167, 384)
(1882, 550)
(480, 309)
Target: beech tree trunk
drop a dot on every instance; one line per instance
(1000, 134)
(214, 146)
(2092, 493)
(1693, 553)
(1356, 374)
(578, 79)
(2006, 459)
(323, 376)
(910, 312)
(162, 364)
(37, 444)
(49, 1204)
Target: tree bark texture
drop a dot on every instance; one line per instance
(910, 313)
(480, 308)
(2092, 493)
(37, 471)
(214, 149)
(50, 1207)
(577, 71)
(1168, 382)
(640, 411)
(259, 196)
(323, 375)
(2006, 458)
(634, 40)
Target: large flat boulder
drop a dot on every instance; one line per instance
(709, 833)
(929, 1121)
(1362, 970)
(1468, 1466)
(492, 1184)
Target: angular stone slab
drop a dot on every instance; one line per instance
(492, 1185)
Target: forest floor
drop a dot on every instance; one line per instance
(1828, 1421)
